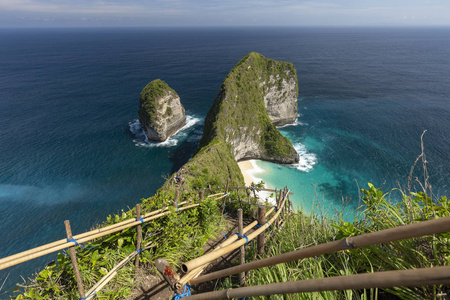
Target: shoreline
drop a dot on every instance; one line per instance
(248, 169)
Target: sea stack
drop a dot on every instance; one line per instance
(257, 94)
(160, 111)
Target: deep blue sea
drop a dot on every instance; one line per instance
(70, 148)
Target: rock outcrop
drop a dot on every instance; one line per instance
(280, 98)
(160, 112)
(257, 93)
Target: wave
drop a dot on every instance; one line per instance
(307, 160)
(181, 134)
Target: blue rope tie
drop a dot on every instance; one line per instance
(77, 244)
(186, 292)
(140, 219)
(257, 225)
(88, 296)
(139, 251)
(177, 207)
(276, 207)
(224, 236)
(242, 236)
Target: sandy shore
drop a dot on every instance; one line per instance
(245, 167)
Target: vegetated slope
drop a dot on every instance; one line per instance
(238, 125)
(239, 117)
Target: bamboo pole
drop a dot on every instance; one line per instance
(73, 258)
(83, 240)
(196, 272)
(384, 236)
(215, 195)
(139, 236)
(113, 272)
(388, 279)
(199, 261)
(242, 249)
(77, 237)
(261, 237)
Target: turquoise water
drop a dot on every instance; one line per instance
(70, 147)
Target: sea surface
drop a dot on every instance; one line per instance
(71, 149)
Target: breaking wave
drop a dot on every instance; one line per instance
(307, 160)
(141, 140)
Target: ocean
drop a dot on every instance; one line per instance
(71, 148)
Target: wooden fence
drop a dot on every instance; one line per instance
(72, 241)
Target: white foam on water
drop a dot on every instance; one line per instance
(307, 160)
(141, 139)
(296, 123)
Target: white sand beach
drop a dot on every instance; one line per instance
(249, 169)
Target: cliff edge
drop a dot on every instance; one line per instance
(258, 93)
(160, 111)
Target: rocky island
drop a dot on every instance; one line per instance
(160, 111)
(257, 94)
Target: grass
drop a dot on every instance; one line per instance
(380, 211)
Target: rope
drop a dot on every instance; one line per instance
(140, 219)
(224, 236)
(186, 292)
(242, 236)
(88, 296)
(276, 208)
(77, 244)
(257, 225)
(139, 251)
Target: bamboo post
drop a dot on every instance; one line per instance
(139, 236)
(278, 200)
(242, 249)
(201, 195)
(261, 222)
(168, 273)
(73, 257)
(254, 191)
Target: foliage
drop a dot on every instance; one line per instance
(380, 211)
(149, 100)
(178, 236)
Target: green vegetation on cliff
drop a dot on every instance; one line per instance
(148, 100)
(238, 114)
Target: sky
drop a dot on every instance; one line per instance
(123, 13)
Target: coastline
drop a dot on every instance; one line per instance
(249, 168)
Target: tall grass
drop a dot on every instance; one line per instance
(380, 211)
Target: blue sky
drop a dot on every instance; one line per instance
(59, 13)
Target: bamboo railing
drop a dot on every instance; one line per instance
(72, 241)
(418, 277)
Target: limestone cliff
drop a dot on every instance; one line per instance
(257, 93)
(160, 112)
(280, 98)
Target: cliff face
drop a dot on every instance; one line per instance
(160, 111)
(280, 98)
(257, 93)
